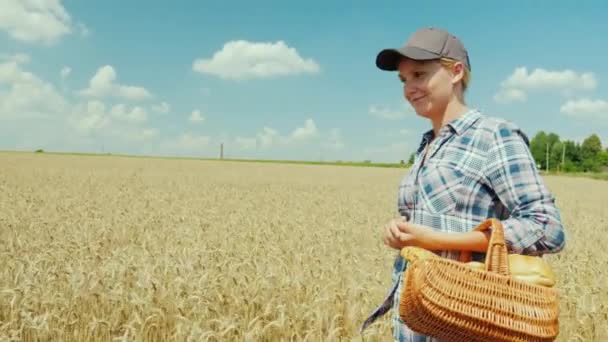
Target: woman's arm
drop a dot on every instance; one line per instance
(534, 225)
(401, 233)
(470, 241)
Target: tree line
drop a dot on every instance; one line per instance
(553, 154)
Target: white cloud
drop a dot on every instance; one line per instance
(94, 118)
(521, 81)
(242, 60)
(163, 107)
(334, 141)
(385, 113)
(143, 134)
(196, 116)
(304, 142)
(116, 129)
(19, 58)
(546, 79)
(90, 117)
(301, 141)
(135, 115)
(586, 108)
(27, 96)
(102, 84)
(84, 30)
(308, 131)
(506, 95)
(271, 137)
(35, 21)
(45, 119)
(245, 143)
(65, 72)
(268, 136)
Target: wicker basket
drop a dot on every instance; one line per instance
(446, 299)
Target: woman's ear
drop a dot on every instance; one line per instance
(458, 71)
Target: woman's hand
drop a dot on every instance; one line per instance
(399, 233)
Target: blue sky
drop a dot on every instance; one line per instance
(282, 80)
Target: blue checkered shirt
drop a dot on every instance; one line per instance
(477, 168)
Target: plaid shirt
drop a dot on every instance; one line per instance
(477, 168)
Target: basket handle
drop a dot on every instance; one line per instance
(497, 256)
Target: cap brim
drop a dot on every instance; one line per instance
(388, 59)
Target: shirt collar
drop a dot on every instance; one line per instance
(458, 125)
(461, 123)
(426, 139)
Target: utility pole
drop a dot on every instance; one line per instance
(222, 151)
(563, 155)
(547, 158)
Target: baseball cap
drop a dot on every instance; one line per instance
(425, 44)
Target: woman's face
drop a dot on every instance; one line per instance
(428, 86)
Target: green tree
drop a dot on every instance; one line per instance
(538, 148)
(590, 153)
(555, 160)
(573, 150)
(552, 139)
(570, 166)
(573, 156)
(604, 157)
(540, 144)
(411, 160)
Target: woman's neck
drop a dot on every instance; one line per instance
(453, 110)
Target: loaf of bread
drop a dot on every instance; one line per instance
(531, 269)
(525, 268)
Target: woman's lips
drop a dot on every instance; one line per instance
(416, 100)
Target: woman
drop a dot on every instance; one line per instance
(468, 168)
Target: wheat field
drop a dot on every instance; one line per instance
(137, 249)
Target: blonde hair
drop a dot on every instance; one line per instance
(448, 63)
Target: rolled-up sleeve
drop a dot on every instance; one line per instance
(534, 225)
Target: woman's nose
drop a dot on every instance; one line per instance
(409, 90)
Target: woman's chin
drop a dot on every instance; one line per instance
(423, 113)
(426, 112)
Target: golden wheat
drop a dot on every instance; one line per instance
(135, 249)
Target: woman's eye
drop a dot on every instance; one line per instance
(418, 74)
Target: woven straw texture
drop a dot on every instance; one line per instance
(446, 299)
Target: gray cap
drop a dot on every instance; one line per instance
(425, 44)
